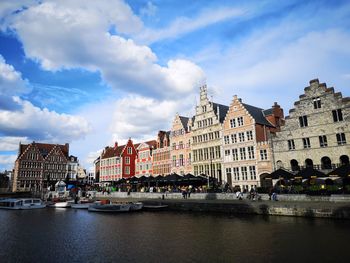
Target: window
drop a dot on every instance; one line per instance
(291, 145)
(341, 138)
(228, 172)
(263, 154)
(249, 135)
(227, 152)
(323, 140)
(129, 150)
(240, 121)
(206, 155)
(241, 136)
(317, 103)
(235, 154)
(127, 160)
(181, 160)
(127, 169)
(174, 160)
(303, 121)
(236, 173)
(242, 153)
(251, 152)
(252, 172)
(217, 152)
(306, 143)
(244, 173)
(233, 123)
(227, 139)
(234, 138)
(337, 115)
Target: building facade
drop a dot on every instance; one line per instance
(180, 137)
(143, 161)
(109, 165)
(161, 162)
(207, 137)
(38, 165)
(246, 144)
(73, 165)
(316, 132)
(128, 157)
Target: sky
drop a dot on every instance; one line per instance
(91, 73)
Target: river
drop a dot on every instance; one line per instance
(67, 235)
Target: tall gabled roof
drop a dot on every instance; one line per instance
(223, 109)
(184, 122)
(45, 148)
(110, 152)
(257, 114)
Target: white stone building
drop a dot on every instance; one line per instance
(207, 137)
(316, 132)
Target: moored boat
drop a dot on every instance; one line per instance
(21, 203)
(136, 206)
(109, 207)
(62, 204)
(155, 207)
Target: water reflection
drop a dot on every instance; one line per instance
(51, 235)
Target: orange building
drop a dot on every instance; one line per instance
(247, 144)
(180, 137)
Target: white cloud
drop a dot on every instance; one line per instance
(41, 124)
(184, 25)
(149, 10)
(265, 65)
(10, 143)
(7, 161)
(11, 82)
(74, 34)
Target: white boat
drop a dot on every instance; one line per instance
(82, 204)
(61, 204)
(111, 207)
(136, 206)
(21, 203)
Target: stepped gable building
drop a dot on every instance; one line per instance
(118, 162)
(180, 137)
(110, 165)
(144, 158)
(207, 137)
(316, 132)
(161, 162)
(39, 164)
(246, 143)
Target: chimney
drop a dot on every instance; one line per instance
(67, 147)
(115, 145)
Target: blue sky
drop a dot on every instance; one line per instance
(94, 72)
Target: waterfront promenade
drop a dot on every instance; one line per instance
(336, 206)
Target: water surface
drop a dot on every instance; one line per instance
(67, 235)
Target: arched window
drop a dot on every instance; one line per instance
(279, 164)
(294, 165)
(309, 163)
(344, 160)
(326, 163)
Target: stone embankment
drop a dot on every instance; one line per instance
(336, 206)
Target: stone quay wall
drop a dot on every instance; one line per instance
(335, 206)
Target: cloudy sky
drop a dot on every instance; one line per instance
(94, 72)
